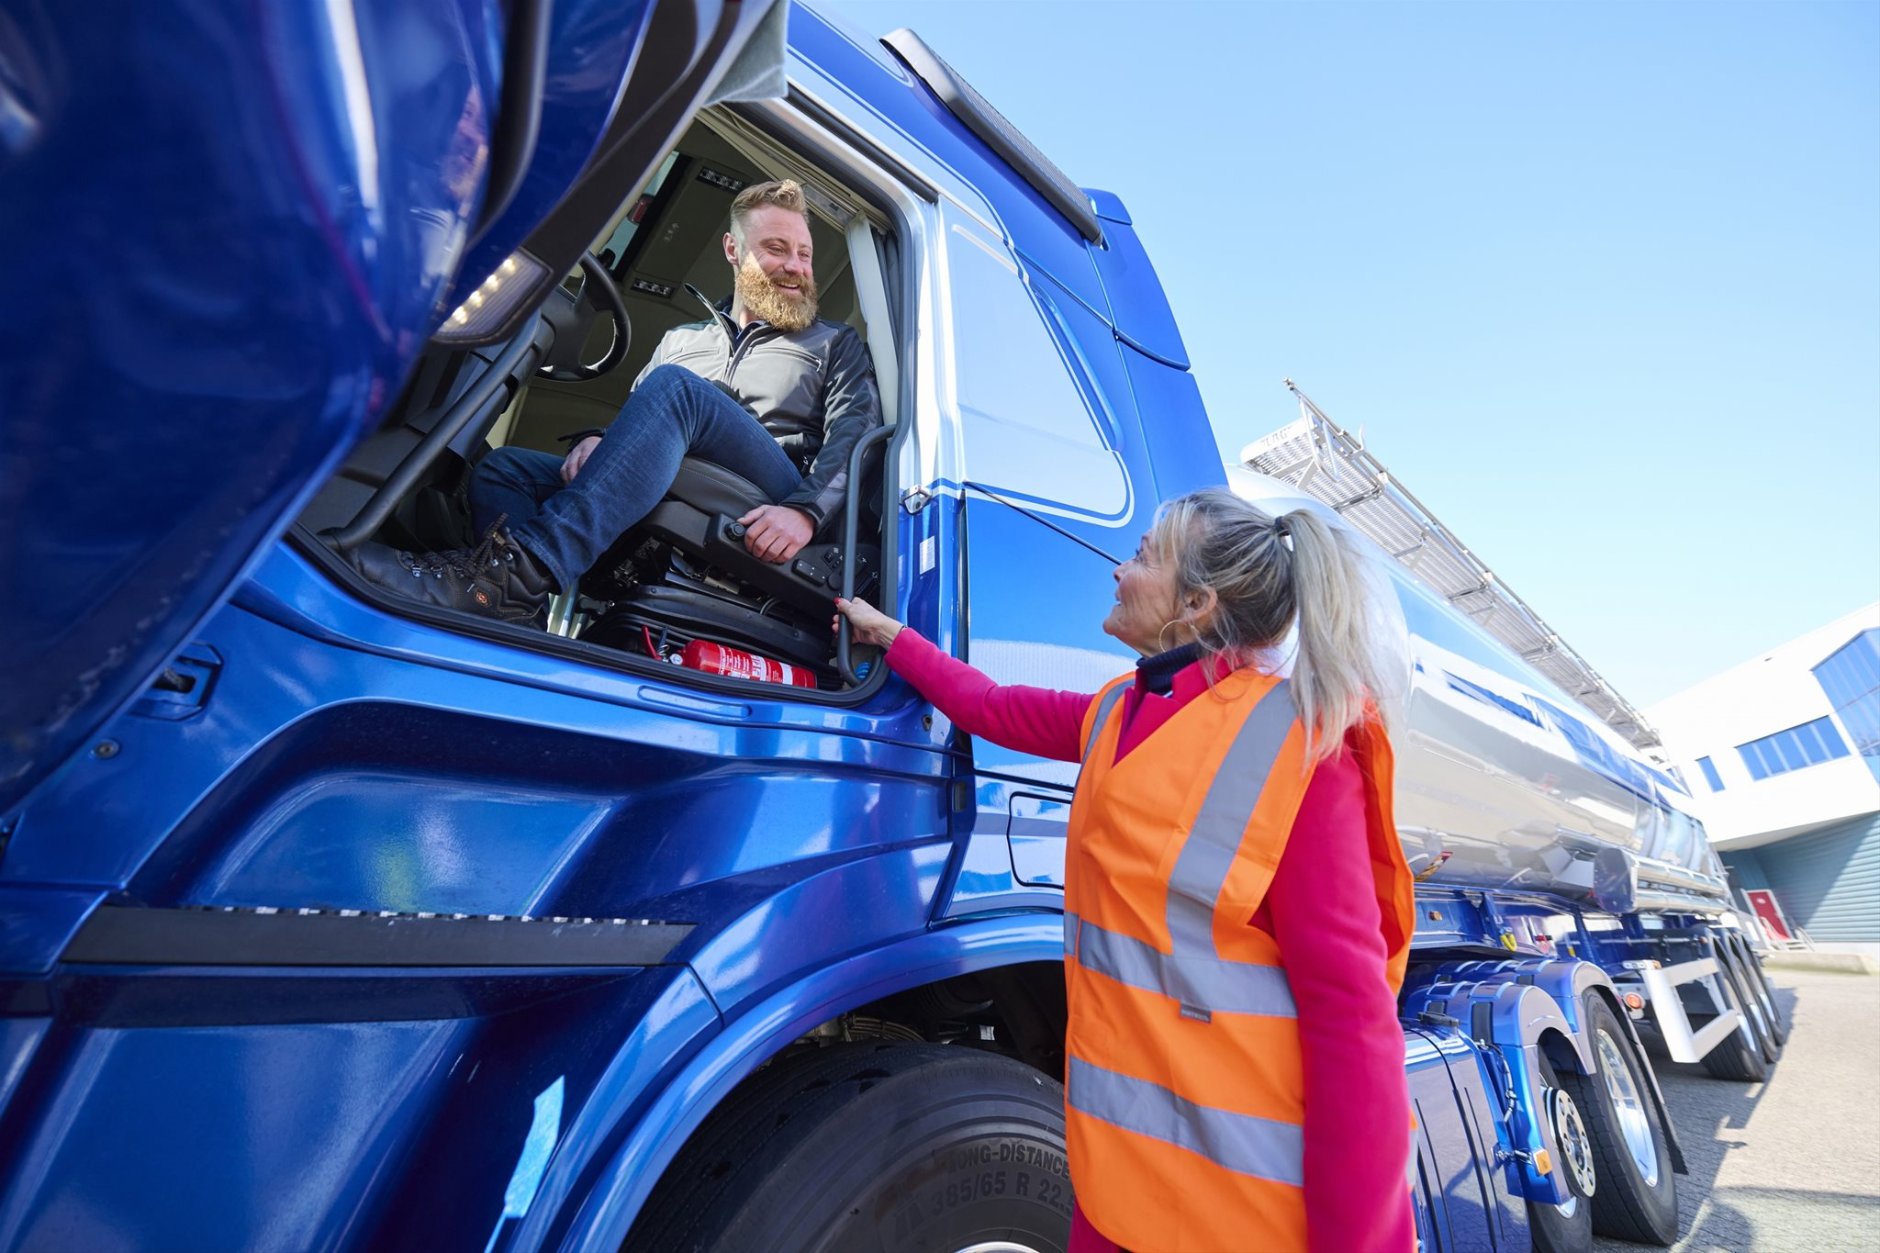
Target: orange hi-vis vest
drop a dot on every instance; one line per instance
(1185, 1097)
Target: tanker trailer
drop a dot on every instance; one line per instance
(1569, 907)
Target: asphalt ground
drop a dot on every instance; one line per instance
(1792, 1163)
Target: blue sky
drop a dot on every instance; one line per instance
(1601, 282)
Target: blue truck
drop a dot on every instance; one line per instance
(328, 920)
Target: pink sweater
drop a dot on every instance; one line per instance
(1321, 909)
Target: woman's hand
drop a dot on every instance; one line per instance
(871, 626)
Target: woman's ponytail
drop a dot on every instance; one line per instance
(1336, 674)
(1271, 574)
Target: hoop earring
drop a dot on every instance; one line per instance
(1175, 622)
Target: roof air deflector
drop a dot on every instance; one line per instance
(1000, 135)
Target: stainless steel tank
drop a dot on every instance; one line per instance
(1503, 780)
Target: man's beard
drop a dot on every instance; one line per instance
(786, 310)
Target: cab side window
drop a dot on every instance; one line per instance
(1024, 421)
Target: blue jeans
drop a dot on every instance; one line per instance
(671, 415)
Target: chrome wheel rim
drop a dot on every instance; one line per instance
(1576, 1147)
(1628, 1103)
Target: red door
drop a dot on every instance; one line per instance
(1764, 903)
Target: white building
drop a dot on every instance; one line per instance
(1782, 757)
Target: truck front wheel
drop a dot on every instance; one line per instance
(876, 1147)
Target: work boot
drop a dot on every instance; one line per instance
(497, 579)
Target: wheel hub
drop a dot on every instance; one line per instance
(1576, 1147)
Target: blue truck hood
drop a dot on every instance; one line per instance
(231, 232)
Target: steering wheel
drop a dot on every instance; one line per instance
(599, 295)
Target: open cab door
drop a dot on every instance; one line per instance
(233, 233)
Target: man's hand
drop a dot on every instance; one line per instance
(776, 533)
(577, 457)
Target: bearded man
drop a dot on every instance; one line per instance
(763, 388)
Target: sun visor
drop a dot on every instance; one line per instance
(757, 72)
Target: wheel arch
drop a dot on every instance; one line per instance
(1567, 983)
(604, 1211)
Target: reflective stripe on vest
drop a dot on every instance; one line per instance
(1192, 974)
(1105, 703)
(1254, 1146)
(1201, 982)
(1200, 872)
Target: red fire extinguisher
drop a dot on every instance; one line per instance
(717, 659)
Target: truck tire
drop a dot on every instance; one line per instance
(878, 1147)
(1764, 990)
(1746, 988)
(1637, 1196)
(1738, 1056)
(1565, 1228)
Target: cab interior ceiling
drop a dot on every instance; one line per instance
(661, 240)
(675, 243)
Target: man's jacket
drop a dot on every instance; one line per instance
(813, 389)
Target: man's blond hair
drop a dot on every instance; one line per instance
(781, 193)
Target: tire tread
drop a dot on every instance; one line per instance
(767, 1117)
(1616, 1211)
(1732, 1059)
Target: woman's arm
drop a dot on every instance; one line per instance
(1323, 912)
(1035, 720)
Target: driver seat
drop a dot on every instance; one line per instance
(699, 516)
(708, 487)
(781, 612)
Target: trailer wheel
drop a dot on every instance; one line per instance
(1637, 1197)
(1748, 989)
(1568, 1227)
(1763, 990)
(1738, 1057)
(878, 1148)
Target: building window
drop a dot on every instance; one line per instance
(1807, 745)
(1851, 679)
(1710, 774)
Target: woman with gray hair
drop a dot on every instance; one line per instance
(1237, 907)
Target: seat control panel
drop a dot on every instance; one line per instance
(810, 580)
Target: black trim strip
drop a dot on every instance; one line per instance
(120, 935)
(215, 996)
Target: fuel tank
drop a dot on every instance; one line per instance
(1504, 781)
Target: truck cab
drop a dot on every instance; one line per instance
(333, 920)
